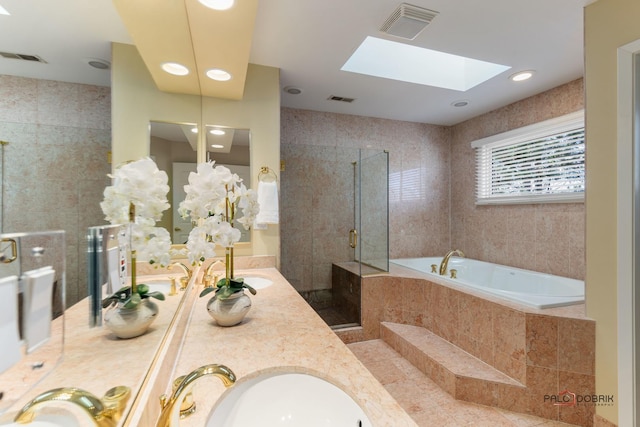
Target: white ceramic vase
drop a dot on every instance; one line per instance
(131, 322)
(229, 311)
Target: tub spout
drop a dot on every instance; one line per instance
(445, 260)
(104, 413)
(170, 413)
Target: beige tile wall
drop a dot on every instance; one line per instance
(317, 189)
(55, 167)
(548, 237)
(432, 184)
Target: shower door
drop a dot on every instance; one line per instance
(372, 212)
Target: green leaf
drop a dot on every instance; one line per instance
(156, 295)
(142, 288)
(237, 282)
(206, 291)
(133, 301)
(253, 291)
(225, 292)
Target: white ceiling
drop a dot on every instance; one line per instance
(310, 40)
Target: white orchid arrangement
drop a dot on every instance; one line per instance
(137, 198)
(215, 198)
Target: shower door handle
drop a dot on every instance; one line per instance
(353, 238)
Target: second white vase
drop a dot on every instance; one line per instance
(229, 311)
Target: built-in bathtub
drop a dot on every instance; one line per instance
(538, 290)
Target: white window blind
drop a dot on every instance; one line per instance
(540, 163)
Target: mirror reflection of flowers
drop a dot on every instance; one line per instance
(137, 198)
(215, 199)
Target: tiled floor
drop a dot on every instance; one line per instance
(425, 402)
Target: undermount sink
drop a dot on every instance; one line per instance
(157, 284)
(258, 282)
(287, 399)
(48, 420)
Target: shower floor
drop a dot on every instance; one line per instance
(333, 316)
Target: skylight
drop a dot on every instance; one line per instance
(399, 61)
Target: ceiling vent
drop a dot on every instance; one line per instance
(407, 21)
(22, 56)
(340, 98)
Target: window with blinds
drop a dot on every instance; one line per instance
(535, 164)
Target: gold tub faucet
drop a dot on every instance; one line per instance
(170, 413)
(105, 412)
(445, 260)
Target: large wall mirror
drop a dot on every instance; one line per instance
(174, 147)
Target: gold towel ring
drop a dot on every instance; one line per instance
(267, 175)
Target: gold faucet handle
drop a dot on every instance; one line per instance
(115, 401)
(187, 406)
(454, 273)
(207, 281)
(434, 268)
(184, 281)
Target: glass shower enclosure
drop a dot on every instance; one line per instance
(368, 239)
(334, 217)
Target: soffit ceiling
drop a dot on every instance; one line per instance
(195, 36)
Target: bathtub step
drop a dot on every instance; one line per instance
(460, 374)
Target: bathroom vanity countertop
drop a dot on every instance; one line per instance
(280, 332)
(96, 360)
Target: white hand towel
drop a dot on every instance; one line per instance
(37, 306)
(113, 268)
(9, 337)
(268, 201)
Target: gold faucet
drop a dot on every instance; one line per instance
(210, 279)
(445, 260)
(170, 414)
(212, 266)
(104, 413)
(186, 270)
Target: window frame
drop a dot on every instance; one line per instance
(538, 131)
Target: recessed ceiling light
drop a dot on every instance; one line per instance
(175, 68)
(217, 146)
(521, 76)
(218, 74)
(217, 132)
(4, 11)
(292, 90)
(100, 64)
(217, 4)
(194, 130)
(460, 103)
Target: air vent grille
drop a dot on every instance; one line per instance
(34, 58)
(407, 21)
(341, 99)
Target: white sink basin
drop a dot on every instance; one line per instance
(258, 282)
(48, 420)
(286, 399)
(157, 284)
